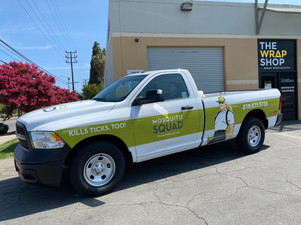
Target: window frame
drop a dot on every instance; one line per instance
(182, 83)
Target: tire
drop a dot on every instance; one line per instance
(251, 136)
(97, 168)
(4, 131)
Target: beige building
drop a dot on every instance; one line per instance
(220, 43)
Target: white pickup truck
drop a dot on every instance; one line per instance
(137, 118)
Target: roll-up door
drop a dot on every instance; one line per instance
(206, 64)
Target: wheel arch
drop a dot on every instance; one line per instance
(107, 138)
(259, 114)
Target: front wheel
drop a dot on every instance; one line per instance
(251, 136)
(97, 168)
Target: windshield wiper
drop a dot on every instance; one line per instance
(100, 99)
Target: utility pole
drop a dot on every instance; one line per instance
(85, 81)
(69, 59)
(68, 82)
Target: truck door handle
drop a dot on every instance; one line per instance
(187, 107)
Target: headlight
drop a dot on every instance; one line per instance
(46, 140)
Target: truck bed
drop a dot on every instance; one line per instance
(221, 93)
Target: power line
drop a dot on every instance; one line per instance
(60, 26)
(8, 46)
(28, 60)
(20, 58)
(47, 31)
(82, 71)
(79, 72)
(39, 28)
(61, 21)
(3, 62)
(44, 26)
(8, 55)
(47, 24)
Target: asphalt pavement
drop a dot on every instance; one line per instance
(210, 185)
(11, 131)
(12, 124)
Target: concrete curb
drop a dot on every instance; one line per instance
(7, 137)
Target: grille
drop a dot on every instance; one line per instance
(22, 135)
(20, 128)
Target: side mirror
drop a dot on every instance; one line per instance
(151, 96)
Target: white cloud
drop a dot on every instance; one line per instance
(34, 47)
(58, 68)
(83, 66)
(17, 29)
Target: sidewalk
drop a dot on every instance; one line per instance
(6, 137)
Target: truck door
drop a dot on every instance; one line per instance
(168, 126)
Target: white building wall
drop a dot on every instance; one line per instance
(109, 66)
(165, 16)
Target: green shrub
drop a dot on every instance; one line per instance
(2, 108)
(90, 90)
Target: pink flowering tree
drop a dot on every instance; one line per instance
(25, 87)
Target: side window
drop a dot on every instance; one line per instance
(172, 85)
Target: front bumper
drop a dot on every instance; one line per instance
(41, 166)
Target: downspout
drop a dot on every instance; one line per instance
(258, 24)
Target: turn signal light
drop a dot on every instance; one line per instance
(55, 137)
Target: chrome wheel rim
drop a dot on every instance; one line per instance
(99, 170)
(254, 135)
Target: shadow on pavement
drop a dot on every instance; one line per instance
(19, 199)
(183, 162)
(8, 134)
(285, 126)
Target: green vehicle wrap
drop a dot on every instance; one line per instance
(167, 126)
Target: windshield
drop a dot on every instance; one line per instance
(120, 89)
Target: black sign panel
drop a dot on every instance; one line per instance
(288, 89)
(276, 55)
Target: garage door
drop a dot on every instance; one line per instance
(206, 64)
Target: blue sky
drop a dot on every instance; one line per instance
(81, 21)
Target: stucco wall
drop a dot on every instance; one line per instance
(241, 67)
(217, 24)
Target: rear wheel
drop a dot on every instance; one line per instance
(97, 168)
(251, 136)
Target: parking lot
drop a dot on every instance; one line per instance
(211, 185)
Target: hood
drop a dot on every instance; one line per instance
(67, 115)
